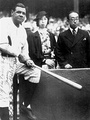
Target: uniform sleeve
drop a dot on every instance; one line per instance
(4, 41)
(3, 32)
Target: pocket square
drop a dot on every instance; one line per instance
(84, 38)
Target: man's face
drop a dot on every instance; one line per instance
(19, 15)
(43, 22)
(73, 20)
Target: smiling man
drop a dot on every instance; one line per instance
(19, 14)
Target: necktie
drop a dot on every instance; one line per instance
(74, 32)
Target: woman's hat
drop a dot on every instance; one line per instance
(40, 15)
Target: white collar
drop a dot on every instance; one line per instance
(44, 31)
(76, 30)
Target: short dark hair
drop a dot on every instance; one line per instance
(22, 6)
(19, 5)
(70, 13)
(40, 15)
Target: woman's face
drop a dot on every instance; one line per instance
(43, 22)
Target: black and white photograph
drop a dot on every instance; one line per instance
(44, 59)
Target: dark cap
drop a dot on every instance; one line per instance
(40, 15)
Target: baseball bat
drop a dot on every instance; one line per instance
(69, 82)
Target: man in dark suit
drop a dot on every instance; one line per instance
(73, 45)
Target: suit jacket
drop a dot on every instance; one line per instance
(73, 50)
(35, 47)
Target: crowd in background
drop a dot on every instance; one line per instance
(56, 25)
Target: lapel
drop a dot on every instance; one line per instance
(37, 37)
(36, 34)
(37, 40)
(69, 38)
(77, 37)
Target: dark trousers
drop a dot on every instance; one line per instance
(27, 90)
(4, 113)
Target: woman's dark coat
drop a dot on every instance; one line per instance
(35, 47)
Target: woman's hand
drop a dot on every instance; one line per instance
(50, 62)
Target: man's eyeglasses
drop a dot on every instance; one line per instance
(73, 19)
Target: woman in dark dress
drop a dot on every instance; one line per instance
(42, 43)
